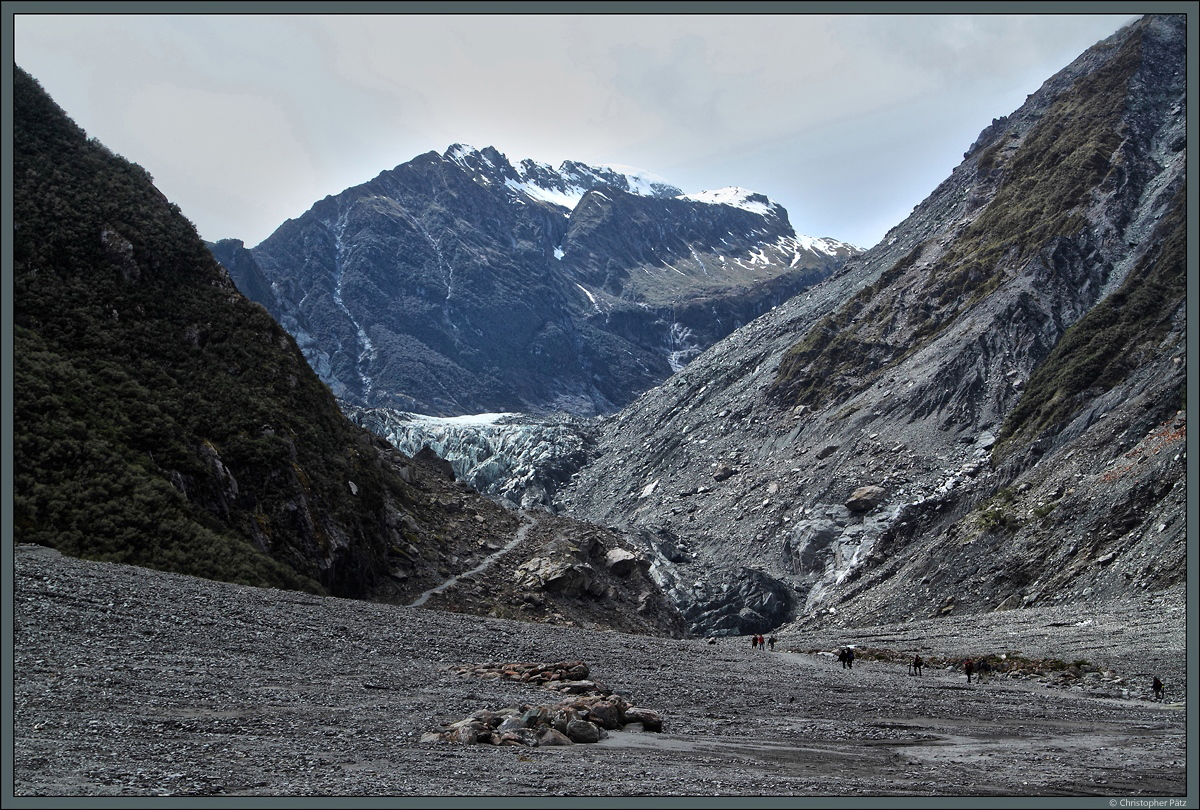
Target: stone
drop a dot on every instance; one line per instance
(511, 724)
(864, 499)
(552, 736)
(650, 720)
(563, 717)
(605, 715)
(583, 731)
(467, 734)
(537, 716)
(620, 561)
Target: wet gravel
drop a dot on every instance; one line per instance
(129, 682)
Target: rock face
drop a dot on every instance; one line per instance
(557, 570)
(985, 406)
(459, 283)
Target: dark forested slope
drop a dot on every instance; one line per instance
(160, 417)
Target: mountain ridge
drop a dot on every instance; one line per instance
(457, 283)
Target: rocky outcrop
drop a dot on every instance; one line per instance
(561, 571)
(991, 367)
(164, 420)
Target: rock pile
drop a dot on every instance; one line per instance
(564, 676)
(587, 717)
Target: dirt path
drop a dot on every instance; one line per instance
(529, 522)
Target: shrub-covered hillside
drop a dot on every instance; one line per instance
(160, 418)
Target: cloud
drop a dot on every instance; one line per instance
(844, 119)
(236, 151)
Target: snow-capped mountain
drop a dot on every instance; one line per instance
(462, 283)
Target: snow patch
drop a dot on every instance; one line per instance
(736, 197)
(567, 197)
(591, 297)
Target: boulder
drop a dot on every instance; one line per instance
(563, 717)
(620, 561)
(511, 723)
(650, 720)
(583, 731)
(552, 736)
(467, 734)
(605, 715)
(864, 499)
(723, 472)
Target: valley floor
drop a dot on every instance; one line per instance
(130, 682)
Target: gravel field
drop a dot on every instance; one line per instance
(131, 682)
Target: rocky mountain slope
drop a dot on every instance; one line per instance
(164, 420)
(984, 412)
(458, 283)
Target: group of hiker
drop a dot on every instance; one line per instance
(976, 670)
(757, 642)
(981, 669)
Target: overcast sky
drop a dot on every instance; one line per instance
(847, 121)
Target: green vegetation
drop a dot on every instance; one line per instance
(806, 373)
(160, 418)
(1040, 512)
(1072, 150)
(1112, 340)
(997, 515)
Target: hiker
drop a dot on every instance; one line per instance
(846, 656)
(917, 663)
(754, 642)
(985, 669)
(1159, 690)
(771, 641)
(969, 668)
